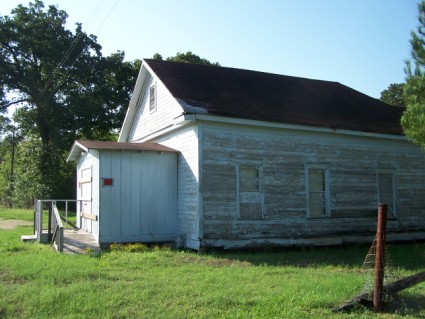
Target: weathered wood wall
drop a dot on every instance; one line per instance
(353, 163)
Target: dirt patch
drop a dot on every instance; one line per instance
(13, 223)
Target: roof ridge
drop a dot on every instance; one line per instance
(237, 69)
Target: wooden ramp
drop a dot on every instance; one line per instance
(78, 241)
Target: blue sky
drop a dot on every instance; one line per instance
(359, 43)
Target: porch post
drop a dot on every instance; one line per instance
(49, 223)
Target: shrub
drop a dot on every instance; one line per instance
(134, 247)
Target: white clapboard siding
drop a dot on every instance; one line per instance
(147, 122)
(353, 163)
(186, 141)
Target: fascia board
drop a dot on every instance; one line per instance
(295, 127)
(75, 151)
(132, 106)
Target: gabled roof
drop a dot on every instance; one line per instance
(83, 146)
(253, 95)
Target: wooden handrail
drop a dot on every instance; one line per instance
(57, 238)
(55, 228)
(57, 216)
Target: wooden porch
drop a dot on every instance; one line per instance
(78, 241)
(70, 241)
(75, 241)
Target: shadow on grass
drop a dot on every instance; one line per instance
(405, 305)
(413, 305)
(406, 257)
(409, 257)
(298, 257)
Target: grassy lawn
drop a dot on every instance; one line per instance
(36, 282)
(28, 215)
(20, 214)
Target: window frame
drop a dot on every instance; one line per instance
(392, 207)
(327, 191)
(259, 168)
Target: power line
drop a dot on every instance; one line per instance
(73, 45)
(67, 54)
(107, 16)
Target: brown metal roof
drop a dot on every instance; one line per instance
(100, 145)
(262, 96)
(83, 145)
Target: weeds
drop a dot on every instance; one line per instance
(135, 247)
(93, 252)
(15, 247)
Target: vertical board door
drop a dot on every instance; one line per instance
(86, 195)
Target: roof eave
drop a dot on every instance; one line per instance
(75, 151)
(298, 127)
(132, 106)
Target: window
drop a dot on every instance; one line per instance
(152, 98)
(249, 192)
(318, 194)
(386, 193)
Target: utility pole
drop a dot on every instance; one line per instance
(12, 164)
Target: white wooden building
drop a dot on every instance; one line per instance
(263, 159)
(128, 191)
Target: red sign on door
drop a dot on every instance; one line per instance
(108, 181)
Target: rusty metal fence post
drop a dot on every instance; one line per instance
(380, 257)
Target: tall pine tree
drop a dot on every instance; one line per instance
(413, 120)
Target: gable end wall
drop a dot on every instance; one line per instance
(147, 122)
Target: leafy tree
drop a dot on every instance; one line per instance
(393, 95)
(413, 119)
(64, 88)
(28, 182)
(187, 57)
(9, 143)
(5, 172)
(157, 56)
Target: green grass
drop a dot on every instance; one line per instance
(28, 215)
(21, 214)
(36, 282)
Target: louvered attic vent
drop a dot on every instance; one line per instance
(152, 98)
